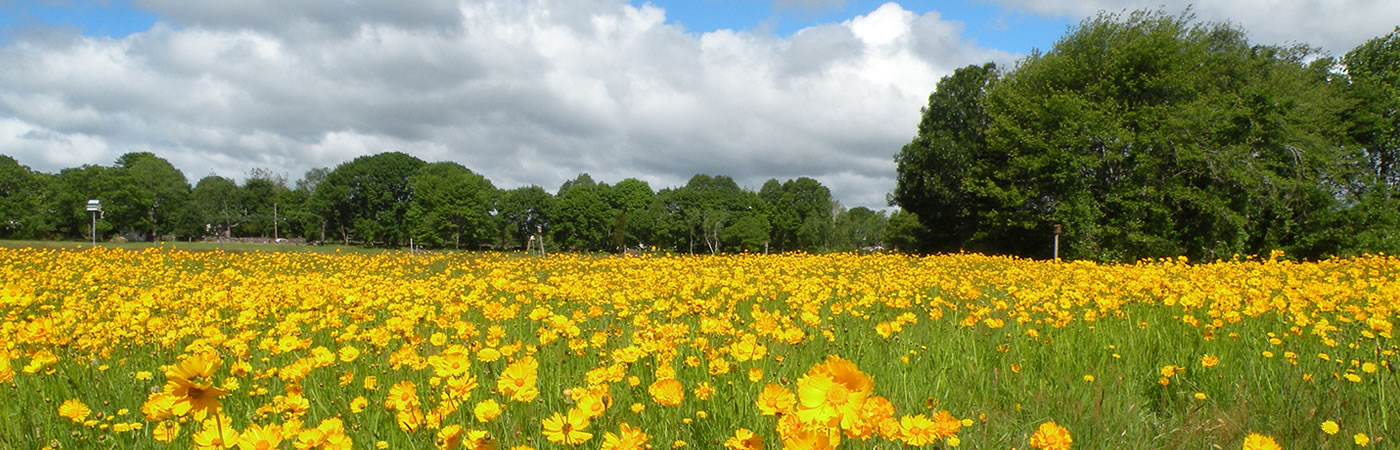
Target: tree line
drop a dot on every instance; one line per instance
(1147, 135)
(394, 199)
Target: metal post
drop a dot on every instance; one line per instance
(1057, 242)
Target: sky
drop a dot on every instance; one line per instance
(538, 91)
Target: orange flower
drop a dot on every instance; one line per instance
(1260, 442)
(628, 438)
(74, 410)
(775, 399)
(1051, 436)
(744, 439)
(667, 392)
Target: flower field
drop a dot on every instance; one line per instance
(167, 348)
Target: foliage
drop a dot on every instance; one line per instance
(1144, 135)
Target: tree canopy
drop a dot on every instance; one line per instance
(1143, 135)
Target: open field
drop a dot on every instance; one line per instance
(126, 349)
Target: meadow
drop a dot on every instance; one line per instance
(164, 347)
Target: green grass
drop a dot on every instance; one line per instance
(934, 364)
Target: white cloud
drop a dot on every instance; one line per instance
(1336, 26)
(528, 92)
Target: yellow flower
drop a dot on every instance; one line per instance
(1200, 396)
(1330, 427)
(260, 438)
(74, 410)
(1089, 378)
(1209, 361)
(775, 399)
(167, 431)
(1361, 439)
(744, 439)
(628, 438)
(1052, 436)
(668, 392)
(1256, 441)
(358, 404)
(486, 410)
(518, 380)
(567, 429)
(348, 354)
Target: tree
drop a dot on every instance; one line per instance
(1144, 135)
(23, 195)
(368, 198)
(859, 228)
(1372, 84)
(580, 217)
(450, 204)
(215, 200)
(942, 174)
(263, 198)
(152, 194)
(802, 214)
(520, 212)
(634, 212)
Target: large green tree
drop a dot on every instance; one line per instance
(368, 198)
(1145, 135)
(451, 206)
(581, 216)
(521, 213)
(150, 195)
(23, 195)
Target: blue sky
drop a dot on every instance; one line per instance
(991, 26)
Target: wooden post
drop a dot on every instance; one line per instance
(1057, 242)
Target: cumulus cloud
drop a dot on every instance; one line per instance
(530, 92)
(1336, 26)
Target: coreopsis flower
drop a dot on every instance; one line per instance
(348, 353)
(833, 393)
(257, 437)
(627, 438)
(744, 439)
(403, 396)
(166, 432)
(1361, 439)
(74, 410)
(158, 406)
(567, 429)
(358, 404)
(594, 402)
(450, 437)
(486, 411)
(188, 383)
(667, 392)
(519, 380)
(775, 399)
(1256, 441)
(1209, 361)
(452, 362)
(1051, 436)
(703, 391)
(1330, 427)
(917, 430)
(216, 433)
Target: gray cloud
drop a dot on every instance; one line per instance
(531, 92)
